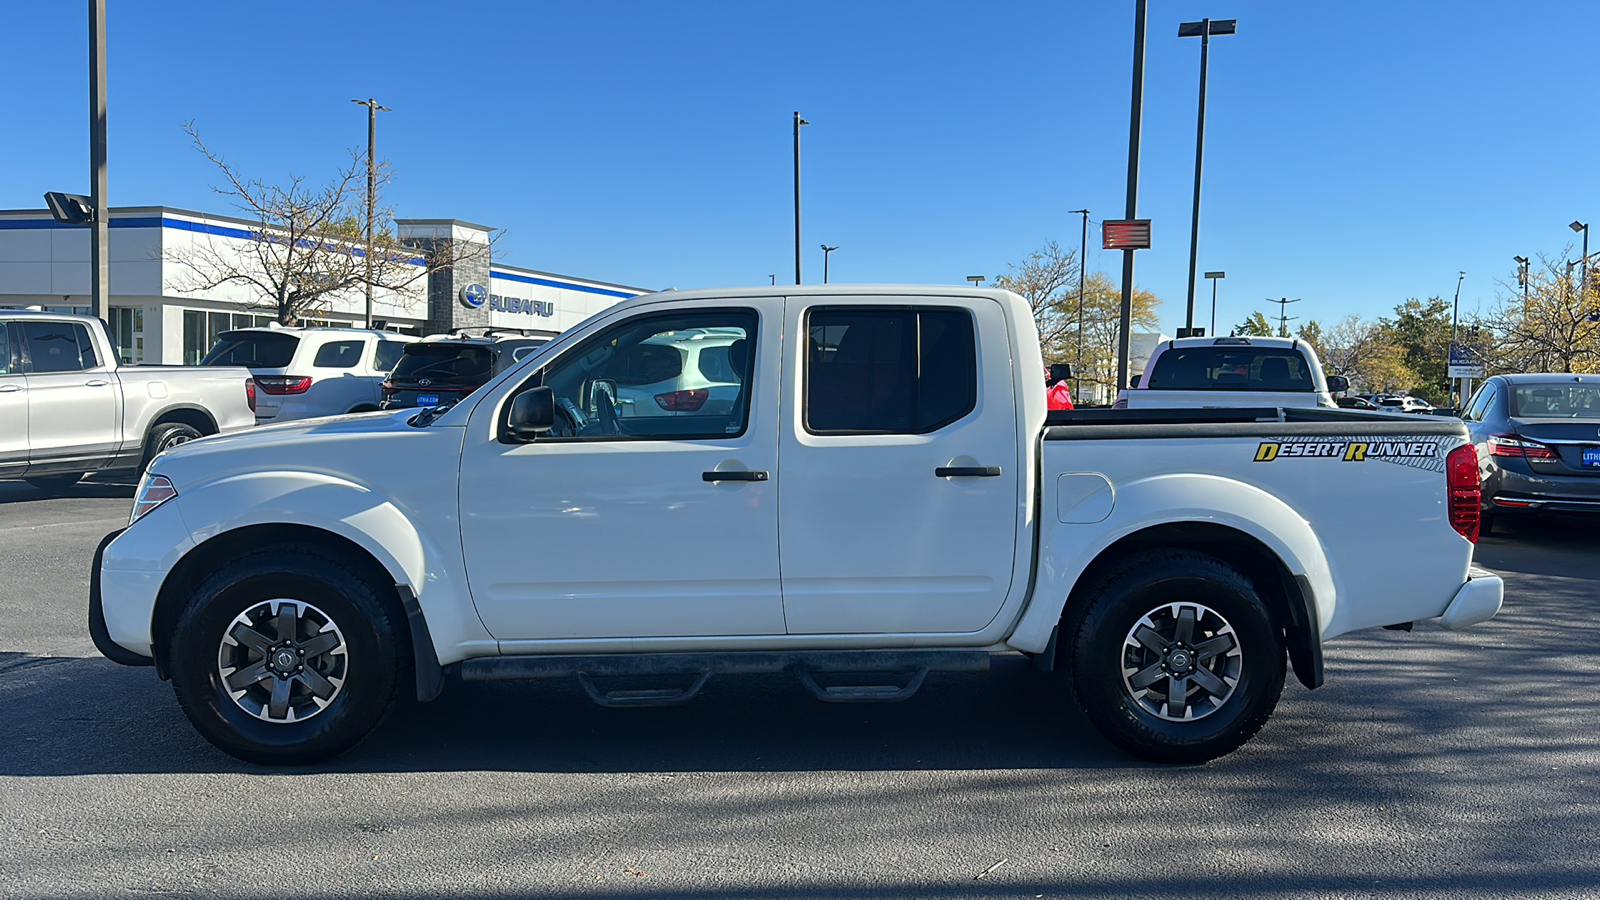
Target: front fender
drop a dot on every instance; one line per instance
(1067, 550)
(428, 563)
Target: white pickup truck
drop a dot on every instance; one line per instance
(1189, 373)
(882, 497)
(67, 407)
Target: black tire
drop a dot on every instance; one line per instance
(364, 672)
(165, 437)
(364, 408)
(1486, 522)
(1123, 679)
(54, 484)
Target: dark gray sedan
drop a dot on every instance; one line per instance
(1538, 440)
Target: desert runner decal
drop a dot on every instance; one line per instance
(1420, 454)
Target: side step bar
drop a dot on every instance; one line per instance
(851, 676)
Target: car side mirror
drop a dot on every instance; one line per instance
(1060, 372)
(532, 413)
(1338, 384)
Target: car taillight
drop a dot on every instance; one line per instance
(1516, 445)
(683, 401)
(1465, 493)
(282, 384)
(250, 393)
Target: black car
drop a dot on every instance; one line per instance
(1538, 440)
(434, 372)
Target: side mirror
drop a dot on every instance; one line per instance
(1134, 381)
(1060, 372)
(532, 413)
(1338, 384)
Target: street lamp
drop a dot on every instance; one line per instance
(1083, 257)
(1214, 276)
(372, 186)
(1202, 29)
(825, 251)
(1522, 275)
(797, 123)
(1583, 227)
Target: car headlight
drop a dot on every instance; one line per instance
(154, 490)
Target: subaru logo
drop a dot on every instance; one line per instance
(474, 295)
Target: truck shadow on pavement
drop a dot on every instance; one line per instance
(101, 487)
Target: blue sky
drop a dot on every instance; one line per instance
(1357, 153)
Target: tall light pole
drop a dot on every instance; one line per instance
(1083, 258)
(1125, 319)
(825, 251)
(797, 123)
(1214, 276)
(1583, 286)
(100, 243)
(1455, 316)
(372, 187)
(1522, 276)
(1203, 29)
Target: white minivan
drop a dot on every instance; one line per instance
(303, 373)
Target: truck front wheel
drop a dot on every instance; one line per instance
(286, 656)
(1174, 657)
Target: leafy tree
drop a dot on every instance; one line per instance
(1422, 331)
(308, 244)
(1362, 351)
(1255, 326)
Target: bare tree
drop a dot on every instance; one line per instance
(308, 245)
(1555, 327)
(1048, 280)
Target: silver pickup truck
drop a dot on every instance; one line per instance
(68, 408)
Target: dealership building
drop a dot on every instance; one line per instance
(158, 315)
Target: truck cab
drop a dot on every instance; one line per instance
(1233, 372)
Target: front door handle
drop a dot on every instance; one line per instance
(10, 388)
(967, 472)
(97, 382)
(733, 476)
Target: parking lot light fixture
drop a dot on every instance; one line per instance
(977, 280)
(1583, 285)
(826, 250)
(1214, 276)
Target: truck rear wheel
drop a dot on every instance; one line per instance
(165, 437)
(1174, 657)
(286, 656)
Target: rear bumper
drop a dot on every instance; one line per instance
(1477, 600)
(1544, 503)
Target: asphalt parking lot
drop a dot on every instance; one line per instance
(1432, 765)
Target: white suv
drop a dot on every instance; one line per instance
(689, 372)
(302, 373)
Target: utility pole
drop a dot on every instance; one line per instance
(100, 243)
(797, 123)
(1283, 314)
(1205, 28)
(1083, 258)
(1125, 320)
(372, 187)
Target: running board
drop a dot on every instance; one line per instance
(870, 676)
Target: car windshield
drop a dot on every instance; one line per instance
(1556, 401)
(256, 349)
(444, 363)
(1230, 368)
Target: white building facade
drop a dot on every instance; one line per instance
(159, 316)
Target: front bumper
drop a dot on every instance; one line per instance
(1477, 600)
(97, 615)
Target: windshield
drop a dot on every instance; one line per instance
(1230, 368)
(445, 363)
(256, 349)
(1556, 401)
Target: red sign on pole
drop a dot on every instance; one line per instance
(1125, 234)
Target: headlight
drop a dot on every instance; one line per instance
(154, 490)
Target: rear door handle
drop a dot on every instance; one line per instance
(10, 388)
(966, 472)
(733, 476)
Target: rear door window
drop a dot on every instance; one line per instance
(254, 349)
(58, 347)
(339, 355)
(888, 371)
(1230, 368)
(444, 364)
(387, 354)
